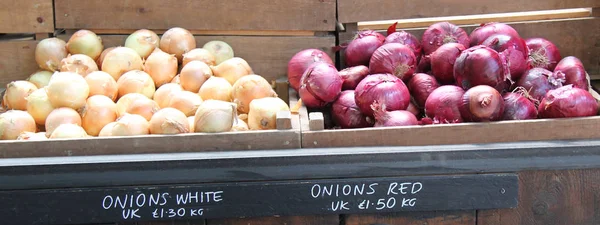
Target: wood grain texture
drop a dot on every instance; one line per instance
(466, 133)
(26, 16)
(17, 60)
(350, 11)
(286, 220)
(414, 218)
(552, 198)
(268, 56)
(197, 14)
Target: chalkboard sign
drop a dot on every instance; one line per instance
(202, 201)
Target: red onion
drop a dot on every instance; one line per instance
(320, 84)
(442, 61)
(394, 58)
(518, 107)
(442, 105)
(384, 118)
(542, 53)
(360, 50)
(572, 70)
(383, 88)
(567, 102)
(405, 38)
(481, 65)
(424, 65)
(441, 33)
(421, 86)
(301, 61)
(482, 103)
(353, 75)
(515, 50)
(413, 109)
(345, 112)
(485, 30)
(538, 82)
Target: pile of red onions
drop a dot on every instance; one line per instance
(421, 86)
(384, 118)
(518, 106)
(301, 61)
(320, 85)
(443, 104)
(481, 65)
(360, 50)
(483, 32)
(385, 89)
(538, 82)
(405, 38)
(352, 75)
(396, 59)
(515, 50)
(441, 33)
(482, 103)
(568, 102)
(542, 53)
(573, 71)
(345, 112)
(442, 61)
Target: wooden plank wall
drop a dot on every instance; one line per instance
(26, 16)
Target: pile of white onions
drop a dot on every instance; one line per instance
(150, 84)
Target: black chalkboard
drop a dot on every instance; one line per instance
(201, 201)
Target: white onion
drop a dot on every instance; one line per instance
(68, 89)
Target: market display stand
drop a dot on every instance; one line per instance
(548, 177)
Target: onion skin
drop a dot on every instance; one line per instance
(538, 82)
(412, 108)
(216, 88)
(362, 47)
(514, 48)
(232, 69)
(263, 113)
(15, 122)
(162, 67)
(169, 121)
(301, 61)
(121, 60)
(346, 114)
(573, 71)
(214, 116)
(220, 50)
(352, 76)
(481, 65)
(136, 81)
(78, 63)
(68, 130)
(99, 111)
(68, 89)
(441, 33)
(124, 102)
(385, 89)
(396, 59)
(568, 102)
(186, 102)
(177, 41)
(518, 107)
(485, 30)
(443, 104)
(85, 42)
(144, 107)
(193, 75)
(199, 54)
(60, 116)
(39, 106)
(164, 93)
(248, 88)
(482, 103)
(101, 58)
(543, 53)
(384, 118)
(17, 93)
(40, 78)
(31, 136)
(107, 130)
(421, 86)
(143, 41)
(442, 61)
(405, 38)
(102, 83)
(130, 125)
(49, 52)
(320, 85)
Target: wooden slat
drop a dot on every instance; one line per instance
(217, 32)
(26, 16)
(350, 11)
(465, 133)
(414, 218)
(17, 60)
(197, 14)
(285, 220)
(551, 198)
(268, 56)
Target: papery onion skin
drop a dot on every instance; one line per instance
(320, 85)
(396, 59)
(31, 136)
(443, 104)
(482, 103)
(214, 116)
(384, 118)
(85, 42)
(176, 79)
(514, 48)
(248, 88)
(177, 41)
(385, 89)
(49, 52)
(232, 69)
(99, 111)
(352, 76)
(144, 107)
(143, 41)
(39, 106)
(136, 81)
(121, 60)
(263, 113)
(101, 58)
(164, 93)
(301, 61)
(60, 116)
(68, 89)
(518, 107)
(169, 121)
(191, 120)
(421, 86)
(199, 54)
(220, 50)
(538, 81)
(186, 102)
(216, 88)
(131, 125)
(573, 71)
(16, 94)
(361, 48)
(68, 130)
(442, 61)
(543, 53)
(481, 65)
(78, 63)
(40, 78)
(346, 114)
(193, 75)
(15, 122)
(568, 102)
(485, 30)
(162, 67)
(107, 130)
(441, 33)
(405, 38)
(124, 102)
(412, 108)
(102, 83)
